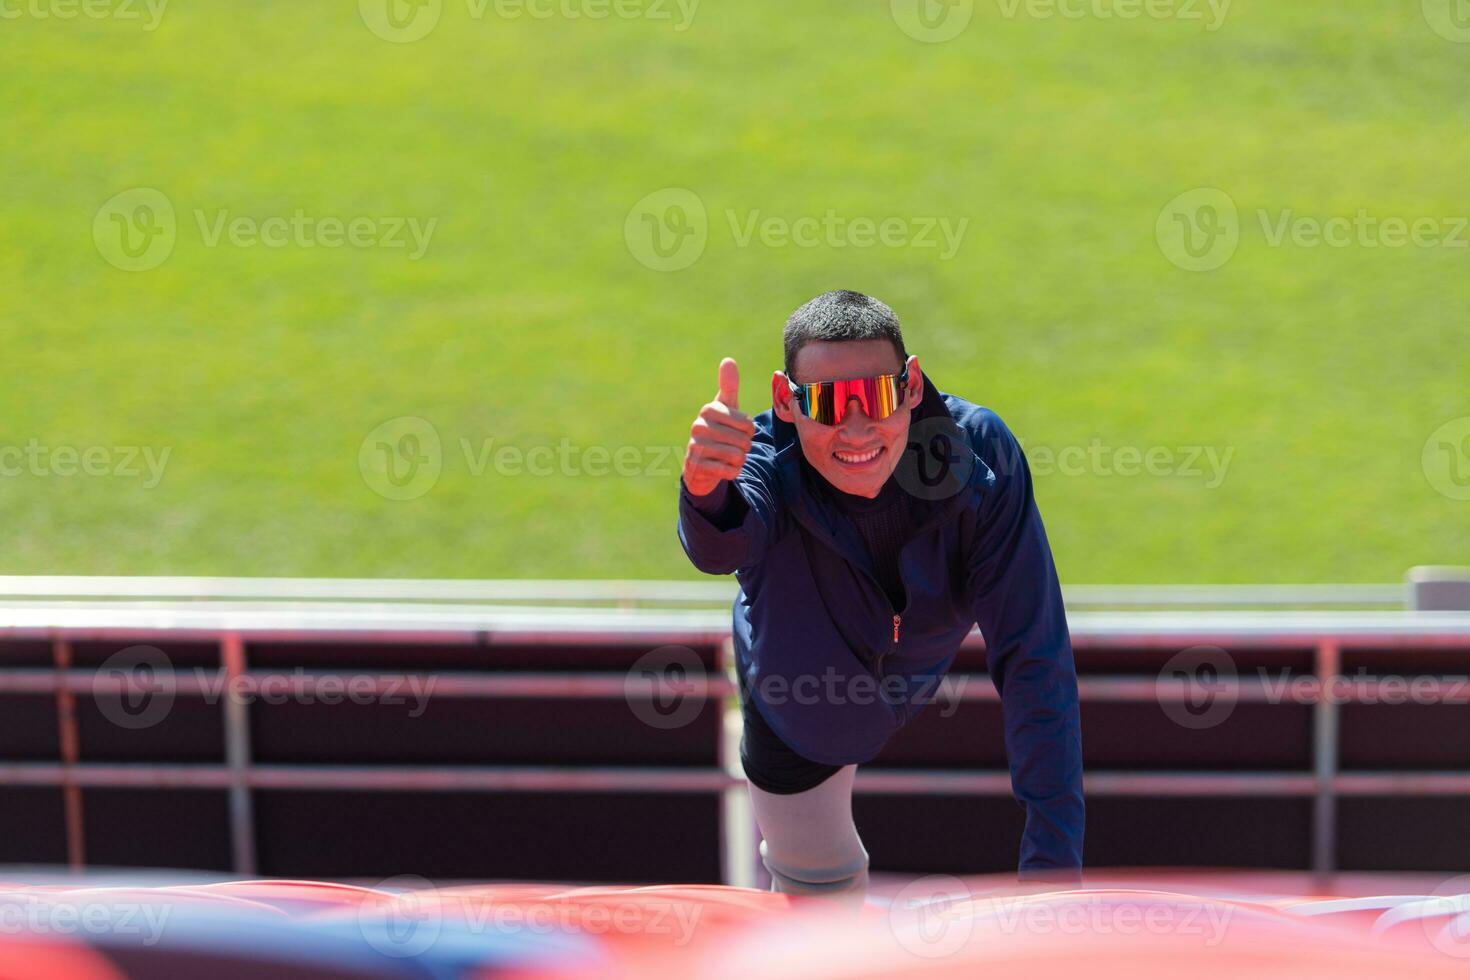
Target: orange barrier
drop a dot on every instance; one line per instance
(35, 959)
(294, 896)
(1100, 935)
(934, 928)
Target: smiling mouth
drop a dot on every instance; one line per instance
(859, 459)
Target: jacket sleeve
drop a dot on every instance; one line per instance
(721, 536)
(1017, 603)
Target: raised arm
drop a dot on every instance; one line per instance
(727, 506)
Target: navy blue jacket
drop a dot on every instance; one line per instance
(835, 669)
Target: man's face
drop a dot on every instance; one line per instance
(859, 454)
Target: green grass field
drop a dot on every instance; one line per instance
(1322, 370)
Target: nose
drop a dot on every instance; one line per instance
(855, 420)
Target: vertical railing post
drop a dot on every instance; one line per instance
(237, 755)
(70, 749)
(1324, 760)
(737, 823)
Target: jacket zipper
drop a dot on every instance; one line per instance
(878, 661)
(897, 617)
(826, 535)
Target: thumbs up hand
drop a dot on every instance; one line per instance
(720, 437)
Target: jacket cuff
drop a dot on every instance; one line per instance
(721, 507)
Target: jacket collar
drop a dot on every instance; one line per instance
(819, 515)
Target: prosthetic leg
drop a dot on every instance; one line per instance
(809, 842)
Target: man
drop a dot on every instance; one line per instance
(872, 521)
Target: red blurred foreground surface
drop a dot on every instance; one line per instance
(1199, 925)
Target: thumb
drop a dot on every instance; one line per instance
(729, 395)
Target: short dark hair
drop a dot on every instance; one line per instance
(841, 315)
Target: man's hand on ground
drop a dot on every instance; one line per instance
(720, 437)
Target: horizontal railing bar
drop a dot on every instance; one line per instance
(389, 590)
(927, 782)
(349, 617)
(1198, 783)
(530, 624)
(1095, 783)
(1343, 595)
(499, 778)
(324, 638)
(211, 682)
(1302, 689)
(1198, 596)
(593, 685)
(378, 778)
(1299, 641)
(1402, 784)
(1301, 627)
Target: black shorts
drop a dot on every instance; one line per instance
(769, 763)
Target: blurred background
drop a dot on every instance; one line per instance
(442, 216)
(430, 290)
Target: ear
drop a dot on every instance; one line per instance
(914, 393)
(781, 398)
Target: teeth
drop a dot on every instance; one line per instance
(857, 457)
